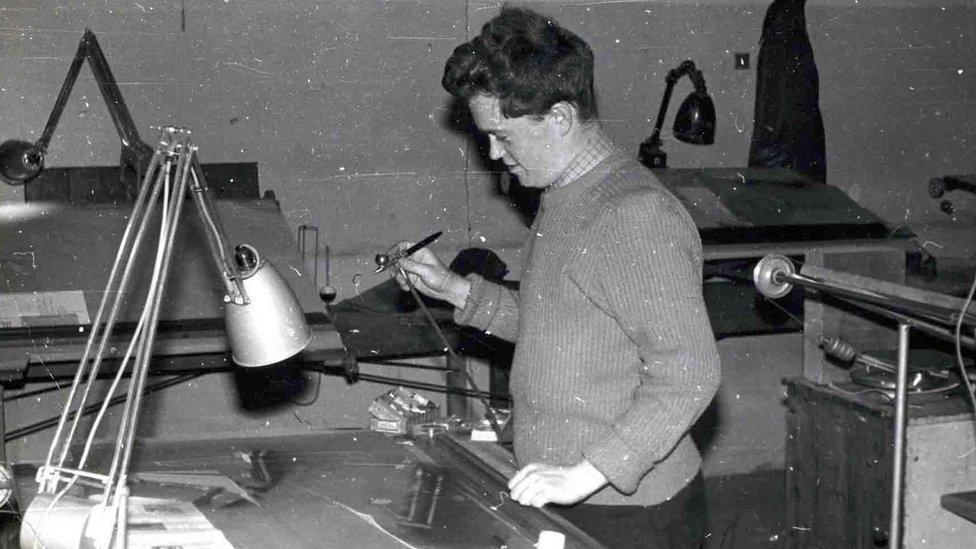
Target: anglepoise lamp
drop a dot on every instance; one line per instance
(694, 123)
(265, 323)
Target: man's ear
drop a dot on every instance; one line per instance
(564, 117)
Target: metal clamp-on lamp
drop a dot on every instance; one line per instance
(694, 123)
(264, 321)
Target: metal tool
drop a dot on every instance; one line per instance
(385, 261)
(328, 292)
(303, 231)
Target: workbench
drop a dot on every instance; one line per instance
(350, 488)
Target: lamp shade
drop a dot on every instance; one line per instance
(20, 161)
(271, 326)
(695, 121)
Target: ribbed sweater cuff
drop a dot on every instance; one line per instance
(622, 467)
(475, 312)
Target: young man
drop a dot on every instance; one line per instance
(614, 358)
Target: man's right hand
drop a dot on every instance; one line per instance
(430, 277)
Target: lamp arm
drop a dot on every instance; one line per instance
(686, 67)
(216, 237)
(88, 49)
(62, 100)
(655, 138)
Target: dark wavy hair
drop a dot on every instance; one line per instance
(528, 62)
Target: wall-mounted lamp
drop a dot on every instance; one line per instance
(694, 123)
(22, 161)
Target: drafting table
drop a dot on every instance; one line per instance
(347, 488)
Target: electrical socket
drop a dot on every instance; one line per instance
(741, 61)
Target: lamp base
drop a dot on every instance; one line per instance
(652, 156)
(70, 522)
(56, 524)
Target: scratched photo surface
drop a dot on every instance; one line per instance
(844, 130)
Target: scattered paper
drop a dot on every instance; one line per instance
(154, 523)
(61, 308)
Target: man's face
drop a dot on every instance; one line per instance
(528, 146)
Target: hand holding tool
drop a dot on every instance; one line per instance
(385, 261)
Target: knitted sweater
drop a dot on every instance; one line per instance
(614, 357)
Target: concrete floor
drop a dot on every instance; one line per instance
(746, 511)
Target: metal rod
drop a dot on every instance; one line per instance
(88, 49)
(898, 464)
(918, 324)
(884, 301)
(96, 323)
(139, 337)
(495, 425)
(178, 201)
(66, 86)
(303, 231)
(400, 364)
(107, 84)
(39, 426)
(430, 387)
(328, 276)
(161, 182)
(216, 237)
(136, 338)
(131, 248)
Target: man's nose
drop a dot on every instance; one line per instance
(495, 150)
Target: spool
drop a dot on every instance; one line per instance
(768, 276)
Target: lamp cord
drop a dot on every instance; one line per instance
(958, 342)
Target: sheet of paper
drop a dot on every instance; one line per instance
(60, 308)
(156, 523)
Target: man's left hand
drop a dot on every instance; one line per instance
(537, 484)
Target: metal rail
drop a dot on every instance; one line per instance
(774, 277)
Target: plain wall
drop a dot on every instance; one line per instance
(340, 104)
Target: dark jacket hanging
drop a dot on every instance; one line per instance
(788, 130)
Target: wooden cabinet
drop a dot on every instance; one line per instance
(839, 468)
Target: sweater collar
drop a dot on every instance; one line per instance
(596, 149)
(554, 195)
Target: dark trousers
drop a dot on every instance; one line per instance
(678, 523)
